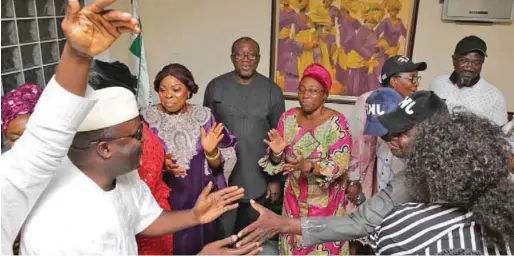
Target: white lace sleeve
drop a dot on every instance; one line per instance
(229, 154)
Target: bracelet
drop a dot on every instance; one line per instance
(212, 158)
(279, 154)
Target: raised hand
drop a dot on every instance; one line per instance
(221, 247)
(276, 143)
(209, 206)
(91, 30)
(175, 169)
(211, 139)
(297, 164)
(265, 227)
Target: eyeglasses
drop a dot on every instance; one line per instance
(414, 79)
(303, 90)
(465, 61)
(241, 56)
(138, 135)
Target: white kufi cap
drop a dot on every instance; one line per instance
(115, 105)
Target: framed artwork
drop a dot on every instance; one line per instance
(351, 38)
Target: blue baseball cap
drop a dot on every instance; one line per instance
(381, 101)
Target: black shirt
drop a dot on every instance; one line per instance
(249, 112)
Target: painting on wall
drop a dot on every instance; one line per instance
(351, 38)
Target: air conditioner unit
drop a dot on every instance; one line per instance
(479, 10)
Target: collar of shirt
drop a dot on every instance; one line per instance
(453, 79)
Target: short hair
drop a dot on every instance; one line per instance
(245, 38)
(111, 74)
(386, 82)
(181, 73)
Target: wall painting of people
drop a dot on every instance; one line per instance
(351, 38)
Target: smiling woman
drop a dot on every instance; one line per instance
(198, 149)
(311, 145)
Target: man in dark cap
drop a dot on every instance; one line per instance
(464, 87)
(399, 74)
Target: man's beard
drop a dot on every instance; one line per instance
(465, 81)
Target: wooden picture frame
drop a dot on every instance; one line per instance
(308, 31)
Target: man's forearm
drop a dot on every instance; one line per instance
(170, 222)
(72, 71)
(360, 223)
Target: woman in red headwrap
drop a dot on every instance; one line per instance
(311, 145)
(17, 106)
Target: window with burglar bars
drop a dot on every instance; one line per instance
(32, 41)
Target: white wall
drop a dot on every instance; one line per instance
(199, 33)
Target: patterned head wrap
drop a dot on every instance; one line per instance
(19, 101)
(320, 73)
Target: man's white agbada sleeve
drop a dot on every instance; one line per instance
(29, 166)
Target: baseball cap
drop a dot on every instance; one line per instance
(414, 109)
(397, 64)
(379, 102)
(470, 44)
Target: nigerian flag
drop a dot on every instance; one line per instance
(138, 63)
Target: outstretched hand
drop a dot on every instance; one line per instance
(265, 227)
(276, 142)
(297, 164)
(91, 30)
(210, 140)
(221, 247)
(209, 206)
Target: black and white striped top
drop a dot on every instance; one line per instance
(422, 229)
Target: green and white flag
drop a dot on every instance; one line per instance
(138, 63)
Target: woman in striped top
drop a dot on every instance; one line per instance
(458, 171)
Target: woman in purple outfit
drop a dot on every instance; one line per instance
(348, 26)
(391, 29)
(198, 150)
(288, 48)
(365, 58)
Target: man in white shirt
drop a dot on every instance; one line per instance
(465, 88)
(114, 215)
(32, 162)
(96, 203)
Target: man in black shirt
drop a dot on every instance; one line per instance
(249, 105)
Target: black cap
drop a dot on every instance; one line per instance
(471, 44)
(397, 64)
(414, 109)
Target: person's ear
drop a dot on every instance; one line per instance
(105, 150)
